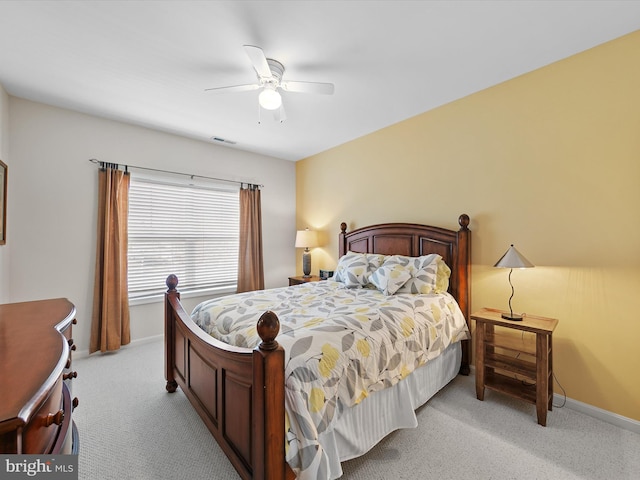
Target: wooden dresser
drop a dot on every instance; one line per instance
(35, 373)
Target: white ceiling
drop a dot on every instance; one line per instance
(148, 62)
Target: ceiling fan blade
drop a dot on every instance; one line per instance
(233, 89)
(258, 60)
(308, 87)
(280, 115)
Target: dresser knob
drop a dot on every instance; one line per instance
(71, 345)
(56, 418)
(74, 321)
(70, 375)
(68, 364)
(74, 403)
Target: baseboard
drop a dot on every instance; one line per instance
(133, 343)
(599, 413)
(595, 412)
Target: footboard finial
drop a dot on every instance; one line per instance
(268, 327)
(172, 282)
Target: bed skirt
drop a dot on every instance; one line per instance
(360, 428)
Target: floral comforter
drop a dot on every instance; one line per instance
(341, 345)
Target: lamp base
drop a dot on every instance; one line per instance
(306, 264)
(514, 317)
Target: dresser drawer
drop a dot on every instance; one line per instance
(67, 440)
(41, 433)
(69, 374)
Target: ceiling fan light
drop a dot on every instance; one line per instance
(269, 99)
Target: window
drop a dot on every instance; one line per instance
(191, 231)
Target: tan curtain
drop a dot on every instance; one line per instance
(110, 320)
(250, 269)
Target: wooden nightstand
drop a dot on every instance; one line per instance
(300, 280)
(528, 374)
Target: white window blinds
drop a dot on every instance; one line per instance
(187, 230)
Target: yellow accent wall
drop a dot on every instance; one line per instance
(548, 161)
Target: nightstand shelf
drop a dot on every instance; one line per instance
(507, 363)
(511, 386)
(512, 343)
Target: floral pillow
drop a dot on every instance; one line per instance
(390, 277)
(354, 269)
(423, 272)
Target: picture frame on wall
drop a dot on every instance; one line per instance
(3, 203)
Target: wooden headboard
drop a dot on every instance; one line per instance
(414, 240)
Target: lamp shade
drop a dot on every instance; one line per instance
(513, 259)
(306, 239)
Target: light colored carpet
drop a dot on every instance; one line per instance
(130, 428)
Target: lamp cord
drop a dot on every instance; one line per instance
(512, 292)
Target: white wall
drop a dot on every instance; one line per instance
(53, 202)
(4, 156)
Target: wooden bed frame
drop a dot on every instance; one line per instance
(239, 392)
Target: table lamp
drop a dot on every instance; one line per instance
(512, 259)
(306, 239)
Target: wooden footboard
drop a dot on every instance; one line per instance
(228, 387)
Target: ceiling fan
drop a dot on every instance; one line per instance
(269, 72)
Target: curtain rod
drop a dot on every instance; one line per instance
(98, 162)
